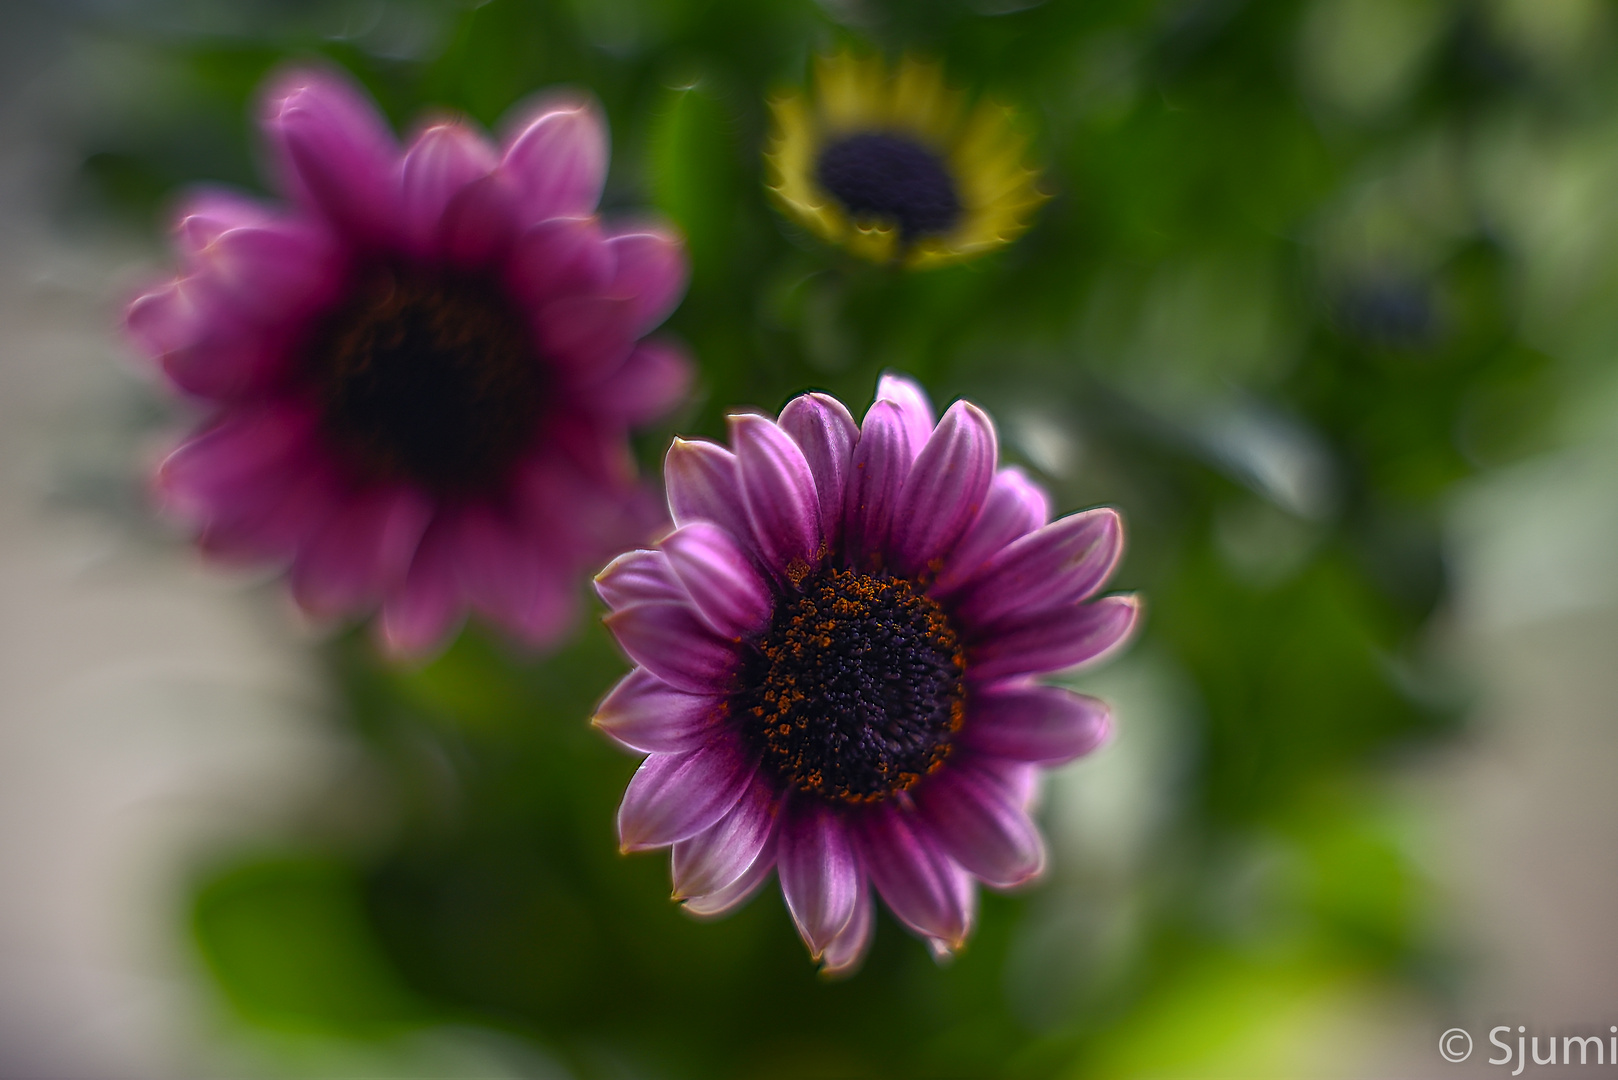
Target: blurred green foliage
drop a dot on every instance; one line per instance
(1271, 312)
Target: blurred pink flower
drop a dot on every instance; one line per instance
(836, 655)
(421, 375)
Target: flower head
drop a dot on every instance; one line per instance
(836, 651)
(895, 168)
(420, 375)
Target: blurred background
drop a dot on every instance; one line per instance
(1323, 301)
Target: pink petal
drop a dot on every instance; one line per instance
(586, 338)
(207, 213)
(819, 873)
(675, 644)
(335, 153)
(1015, 506)
(1062, 563)
(779, 493)
(826, 434)
(673, 796)
(655, 378)
(272, 518)
(639, 577)
(946, 487)
(165, 319)
(441, 162)
(703, 485)
(880, 465)
(651, 272)
(722, 901)
(511, 576)
(557, 258)
(914, 408)
(723, 853)
(479, 223)
(1054, 640)
(647, 714)
(419, 615)
(982, 825)
(270, 273)
(723, 585)
(1047, 724)
(229, 464)
(364, 548)
(843, 956)
(925, 888)
(202, 349)
(558, 161)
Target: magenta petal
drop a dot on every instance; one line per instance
(1053, 640)
(779, 492)
(269, 273)
(721, 901)
(165, 320)
(826, 433)
(655, 378)
(982, 825)
(651, 272)
(1014, 506)
(647, 714)
(585, 337)
(1062, 563)
(714, 569)
(925, 888)
(639, 577)
(914, 408)
(946, 487)
(442, 161)
(335, 152)
(819, 873)
(230, 463)
(846, 951)
(206, 214)
(419, 615)
(479, 223)
(1047, 724)
(560, 257)
(880, 465)
(703, 485)
(675, 644)
(558, 161)
(673, 796)
(722, 853)
(364, 548)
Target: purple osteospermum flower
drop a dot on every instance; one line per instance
(836, 653)
(421, 376)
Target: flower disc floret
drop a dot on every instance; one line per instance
(420, 374)
(835, 656)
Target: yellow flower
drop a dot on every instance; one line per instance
(895, 168)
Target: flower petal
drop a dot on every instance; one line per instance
(722, 901)
(675, 644)
(269, 273)
(559, 257)
(1053, 640)
(914, 408)
(420, 614)
(653, 380)
(647, 714)
(714, 569)
(558, 160)
(1015, 506)
(1047, 724)
(819, 872)
(206, 213)
(639, 577)
(778, 490)
(926, 889)
(364, 548)
(651, 272)
(880, 464)
(826, 433)
(946, 487)
(479, 222)
(673, 796)
(586, 338)
(230, 463)
(721, 854)
(442, 160)
(335, 153)
(843, 956)
(1062, 563)
(982, 825)
(703, 485)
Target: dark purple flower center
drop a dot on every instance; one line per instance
(891, 178)
(854, 691)
(428, 377)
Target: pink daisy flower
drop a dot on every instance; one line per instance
(836, 654)
(421, 374)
